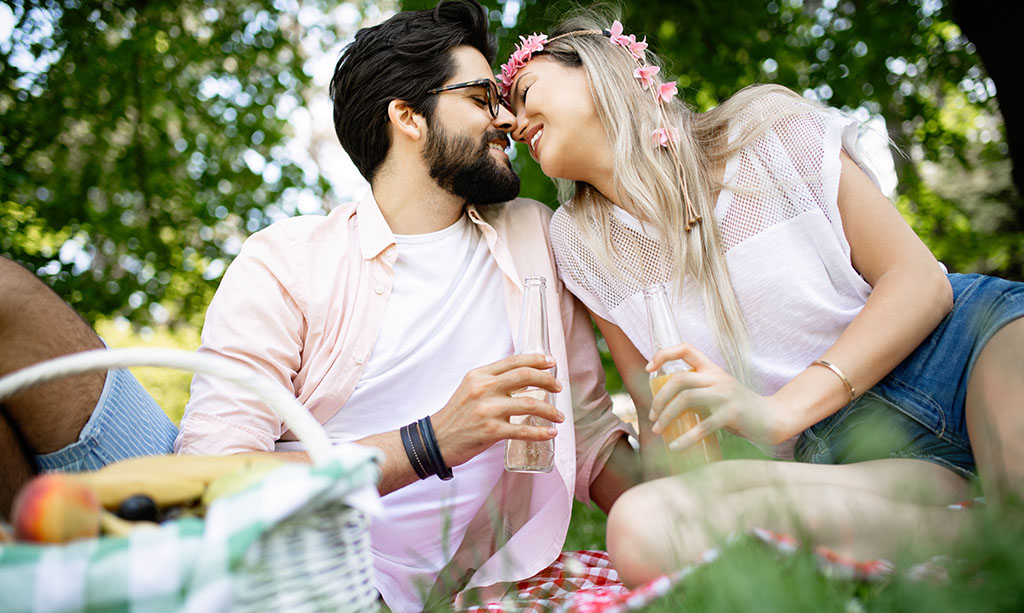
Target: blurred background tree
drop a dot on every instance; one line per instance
(140, 142)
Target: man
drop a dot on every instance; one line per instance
(394, 316)
(404, 305)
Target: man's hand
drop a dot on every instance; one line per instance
(477, 416)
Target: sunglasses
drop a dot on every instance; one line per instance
(494, 101)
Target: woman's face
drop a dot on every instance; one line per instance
(558, 122)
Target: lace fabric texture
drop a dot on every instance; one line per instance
(778, 218)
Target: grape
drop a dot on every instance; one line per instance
(138, 508)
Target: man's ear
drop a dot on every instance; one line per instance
(406, 120)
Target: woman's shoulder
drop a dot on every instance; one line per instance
(761, 109)
(562, 226)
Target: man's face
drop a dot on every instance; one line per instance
(465, 146)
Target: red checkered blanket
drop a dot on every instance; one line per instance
(585, 582)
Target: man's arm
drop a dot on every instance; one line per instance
(474, 419)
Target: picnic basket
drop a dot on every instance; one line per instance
(297, 541)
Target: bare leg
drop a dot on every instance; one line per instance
(995, 413)
(869, 509)
(36, 325)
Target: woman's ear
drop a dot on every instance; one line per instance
(405, 119)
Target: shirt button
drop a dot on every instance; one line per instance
(390, 253)
(359, 359)
(379, 289)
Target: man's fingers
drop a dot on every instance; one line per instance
(527, 360)
(527, 404)
(524, 377)
(707, 426)
(526, 432)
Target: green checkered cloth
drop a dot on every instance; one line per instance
(187, 564)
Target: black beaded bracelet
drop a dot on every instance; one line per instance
(414, 449)
(434, 450)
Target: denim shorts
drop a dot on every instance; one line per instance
(126, 422)
(917, 410)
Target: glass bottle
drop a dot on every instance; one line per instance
(665, 333)
(532, 456)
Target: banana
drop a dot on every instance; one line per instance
(236, 481)
(168, 479)
(165, 489)
(112, 525)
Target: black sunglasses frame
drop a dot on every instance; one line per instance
(494, 101)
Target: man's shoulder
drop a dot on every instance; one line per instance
(309, 227)
(518, 212)
(531, 207)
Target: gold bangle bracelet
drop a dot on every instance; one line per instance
(839, 373)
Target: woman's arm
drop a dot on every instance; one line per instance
(630, 363)
(910, 296)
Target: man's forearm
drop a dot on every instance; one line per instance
(395, 471)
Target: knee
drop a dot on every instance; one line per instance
(639, 531)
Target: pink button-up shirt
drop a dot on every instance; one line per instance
(303, 303)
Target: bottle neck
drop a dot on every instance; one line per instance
(533, 321)
(662, 323)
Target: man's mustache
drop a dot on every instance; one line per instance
(495, 135)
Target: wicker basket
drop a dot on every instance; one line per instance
(317, 559)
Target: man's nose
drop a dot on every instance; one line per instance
(505, 121)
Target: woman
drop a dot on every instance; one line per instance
(811, 309)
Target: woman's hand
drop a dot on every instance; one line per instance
(720, 400)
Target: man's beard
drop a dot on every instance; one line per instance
(467, 170)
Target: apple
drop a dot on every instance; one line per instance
(56, 508)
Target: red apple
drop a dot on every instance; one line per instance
(56, 508)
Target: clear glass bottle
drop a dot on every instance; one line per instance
(665, 333)
(532, 456)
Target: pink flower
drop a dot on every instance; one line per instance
(637, 47)
(667, 91)
(532, 44)
(662, 136)
(524, 51)
(645, 74)
(616, 34)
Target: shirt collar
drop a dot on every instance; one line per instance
(374, 232)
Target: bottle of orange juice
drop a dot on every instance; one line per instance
(665, 333)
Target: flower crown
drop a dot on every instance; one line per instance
(645, 74)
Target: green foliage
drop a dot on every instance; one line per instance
(141, 141)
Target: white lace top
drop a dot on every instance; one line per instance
(787, 255)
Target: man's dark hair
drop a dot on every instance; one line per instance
(400, 59)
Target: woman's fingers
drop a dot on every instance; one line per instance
(707, 426)
(701, 400)
(677, 384)
(685, 352)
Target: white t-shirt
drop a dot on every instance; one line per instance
(445, 316)
(787, 255)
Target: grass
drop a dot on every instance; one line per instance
(984, 573)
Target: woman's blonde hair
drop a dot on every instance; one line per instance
(652, 183)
